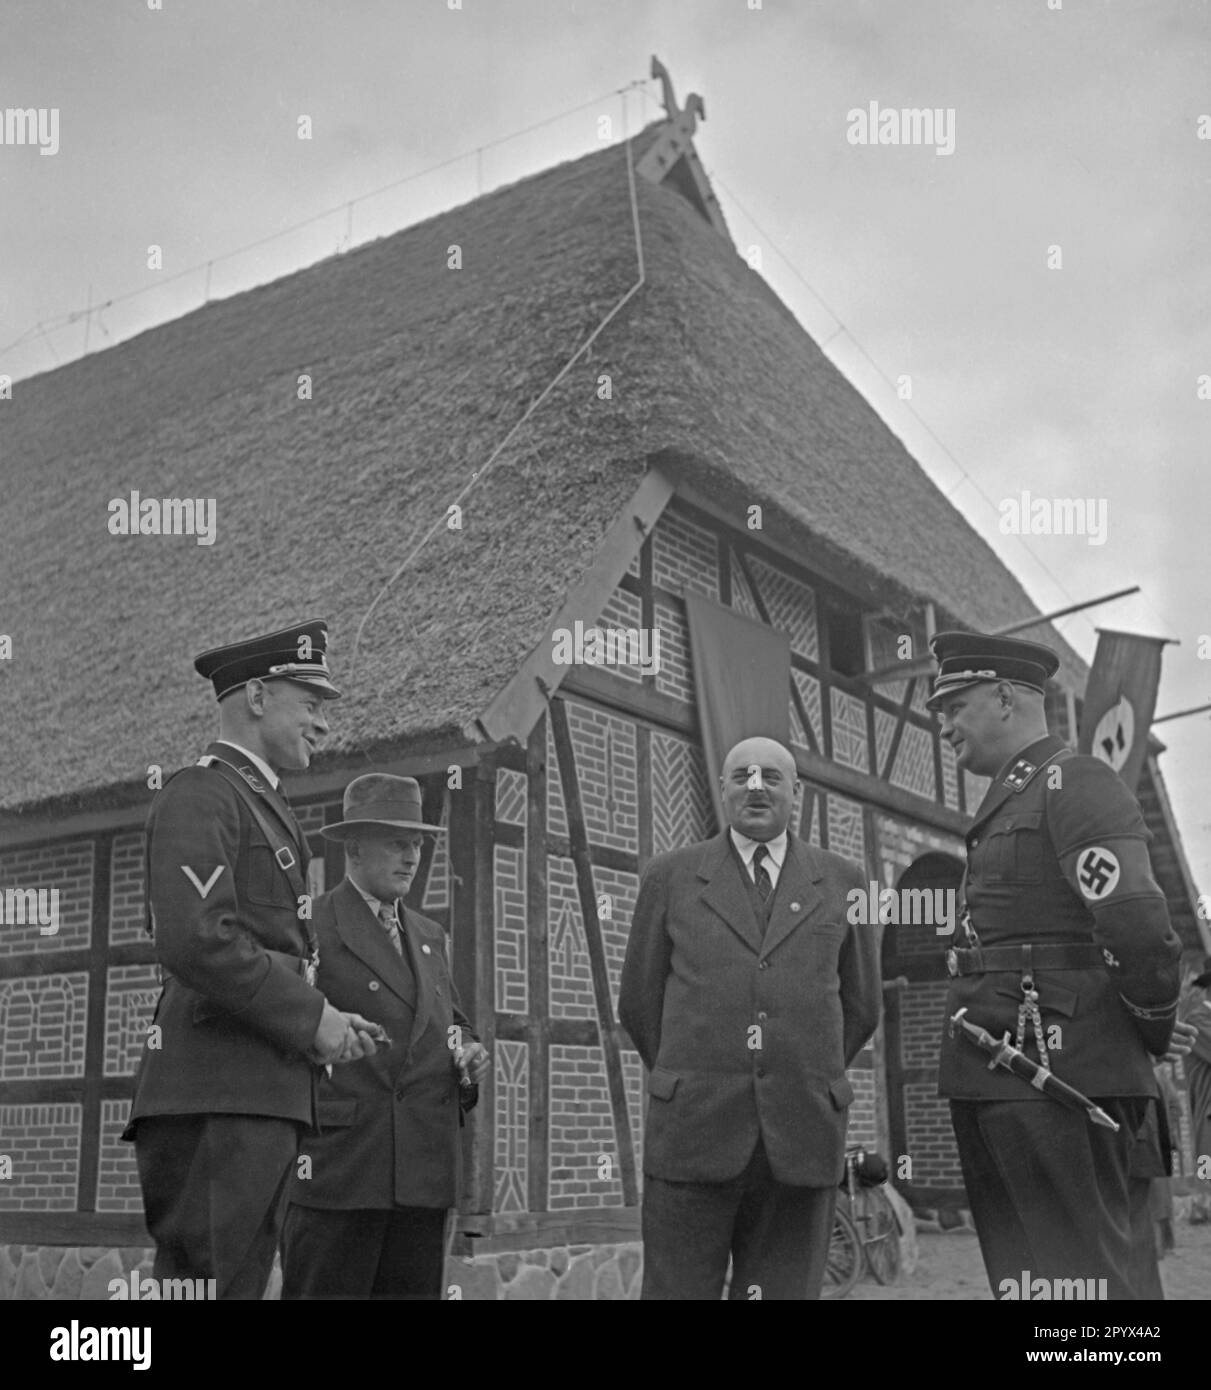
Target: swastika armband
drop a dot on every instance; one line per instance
(1152, 1015)
(1109, 871)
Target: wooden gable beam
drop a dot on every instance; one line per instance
(671, 156)
(516, 709)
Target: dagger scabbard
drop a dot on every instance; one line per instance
(1012, 1059)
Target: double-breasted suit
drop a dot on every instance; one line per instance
(378, 1175)
(747, 1031)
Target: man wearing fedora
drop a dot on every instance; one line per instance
(368, 1206)
(227, 1076)
(1067, 949)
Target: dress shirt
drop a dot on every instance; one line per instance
(773, 860)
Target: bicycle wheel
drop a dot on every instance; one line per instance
(844, 1258)
(879, 1232)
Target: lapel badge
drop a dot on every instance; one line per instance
(1019, 774)
(1109, 957)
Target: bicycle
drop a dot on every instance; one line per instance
(865, 1228)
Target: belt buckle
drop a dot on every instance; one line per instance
(289, 861)
(952, 962)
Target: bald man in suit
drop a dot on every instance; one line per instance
(748, 993)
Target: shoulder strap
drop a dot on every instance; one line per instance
(279, 843)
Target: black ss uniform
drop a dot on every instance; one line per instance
(1060, 897)
(224, 1085)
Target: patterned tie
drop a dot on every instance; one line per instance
(386, 915)
(765, 884)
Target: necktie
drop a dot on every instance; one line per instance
(386, 915)
(765, 885)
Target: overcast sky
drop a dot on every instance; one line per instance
(1074, 127)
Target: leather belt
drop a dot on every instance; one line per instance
(984, 960)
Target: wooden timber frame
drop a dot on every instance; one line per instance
(480, 1230)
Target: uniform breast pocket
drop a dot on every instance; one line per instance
(1012, 850)
(264, 882)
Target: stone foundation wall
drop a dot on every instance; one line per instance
(574, 1272)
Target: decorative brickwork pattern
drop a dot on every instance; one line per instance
(809, 690)
(882, 649)
(930, 1134)
(584, 1156)
(127, 913)
(130, 1001)
(807, 815)
(67, 867)
(570, 978)
(791, 607)
(914, 763)
(437, 888)
(682, 811)
(845, 832)
(684, 556)
(633, 1081)
(863, 1127)
(42, 1020)
(511, 796)
(624, 610)
(557, 818)
(885, 728)
(675, 676)
(950, 777)
(617, 891)
(117, 1175)
(43, 1142)
(509, 892)
(742, 596)
(511, 1087)
(849, 731)
(607, 770)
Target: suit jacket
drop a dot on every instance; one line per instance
(388, 1124)
(745, 1036)
(235, 1014)
(1058, 854)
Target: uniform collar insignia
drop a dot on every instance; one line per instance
(252, 779)
(1020, 773)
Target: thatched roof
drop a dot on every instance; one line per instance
(418, 372)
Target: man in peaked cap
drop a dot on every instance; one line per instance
(1066, 947)
(228, 1069)
(369, 1202)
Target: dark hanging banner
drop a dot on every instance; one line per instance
(1120, 701)
(742, 681)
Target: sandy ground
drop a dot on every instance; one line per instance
(949, 1267)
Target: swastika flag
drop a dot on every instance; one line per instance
(1120, 701)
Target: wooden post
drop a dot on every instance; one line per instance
(538, 1023)
(608, 1029)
